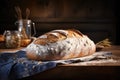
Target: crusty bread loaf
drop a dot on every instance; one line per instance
(60, 45)
(1, 38)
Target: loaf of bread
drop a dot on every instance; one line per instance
(1, 38)
(60, 45)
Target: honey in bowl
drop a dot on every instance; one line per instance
(25, 42)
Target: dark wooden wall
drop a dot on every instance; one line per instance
(96, 18)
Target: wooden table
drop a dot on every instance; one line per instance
(83, 72)
(76, 71)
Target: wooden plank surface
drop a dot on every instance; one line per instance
(76, 71)
(102, 71)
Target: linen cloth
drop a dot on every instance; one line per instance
(16, 65)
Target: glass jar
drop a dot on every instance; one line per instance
(26, 27)
(12, 39)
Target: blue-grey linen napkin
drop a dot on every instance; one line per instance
(16, 66)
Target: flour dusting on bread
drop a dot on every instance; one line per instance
(60, 44)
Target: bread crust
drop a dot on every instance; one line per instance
(1, 38)
(60, 45)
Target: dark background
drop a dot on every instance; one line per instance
(99, 19)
